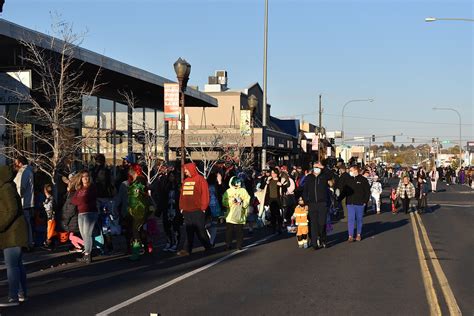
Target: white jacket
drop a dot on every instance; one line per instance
(25, 186)
(433, 175)
(376, 188)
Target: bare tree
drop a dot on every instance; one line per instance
(54, 104)
(221, 146)
(209, 152)
(151, 139)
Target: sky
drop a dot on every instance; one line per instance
(342, 49)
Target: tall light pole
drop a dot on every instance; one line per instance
(432, 19)
(264, 106)
(182, 69)
(343, 110)
(460, 129)
(252, 102)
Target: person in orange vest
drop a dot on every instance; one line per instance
(300, 216)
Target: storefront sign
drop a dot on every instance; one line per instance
(245, 129)
(171, 101)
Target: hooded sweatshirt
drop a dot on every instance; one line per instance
(236, 212)
(194, 191)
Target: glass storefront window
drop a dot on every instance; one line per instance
(89, 127)
(121, 117)
(121, 125)
(137, 126)
(106, 127)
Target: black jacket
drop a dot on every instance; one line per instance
(357, 190)
(69, 215)
(316, 189)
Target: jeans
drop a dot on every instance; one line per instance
(28, 213)
(355, 214)
(87, 222)
(15, 271)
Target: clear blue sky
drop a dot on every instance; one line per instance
(343, 49)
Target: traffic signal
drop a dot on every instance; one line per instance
(412, 140)
(332, 140)
(373, 138)
(394, 140)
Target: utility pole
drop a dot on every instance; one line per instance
(264, 106)
(320, 129)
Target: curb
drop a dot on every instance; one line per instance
(34, 266)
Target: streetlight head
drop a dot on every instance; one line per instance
(371, 100)
(252, 102)
(435, 108)
(430, 19)
(182, 68)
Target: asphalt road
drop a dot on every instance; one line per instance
(380, 275)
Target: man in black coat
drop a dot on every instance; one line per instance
(316, 196)
(341, 183)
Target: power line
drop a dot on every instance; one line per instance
(379, 119)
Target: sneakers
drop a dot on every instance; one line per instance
(183, 253)
(173, 248)
(22, 298)
(167, 247)
(9, 302)
(350, 239)
(86, 258)
(358, 238)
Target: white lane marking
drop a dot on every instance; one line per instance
(443, 281)
(139, 297)
(425, 272)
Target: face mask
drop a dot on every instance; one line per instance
(317, 170)
(353, 174)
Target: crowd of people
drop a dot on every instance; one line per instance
(304, 201)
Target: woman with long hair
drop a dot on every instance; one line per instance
(85, 199)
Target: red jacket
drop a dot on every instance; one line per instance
(194, 191)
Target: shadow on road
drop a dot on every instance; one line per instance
(368, 230)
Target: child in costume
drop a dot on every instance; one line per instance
(301, 218)
(393, 199)
(48, 205)
(138, 208)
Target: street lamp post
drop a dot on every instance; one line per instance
(252, 102)
(460, 129)
(432, 19)
(182, 69)
(343, 110)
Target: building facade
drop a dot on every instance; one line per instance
(113, 125)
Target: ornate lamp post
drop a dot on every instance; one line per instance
(253, 103)
(182, 69)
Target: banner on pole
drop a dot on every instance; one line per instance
(171, 101)
(245, 129)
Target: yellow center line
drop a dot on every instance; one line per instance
(425, 272)
(443, 281)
